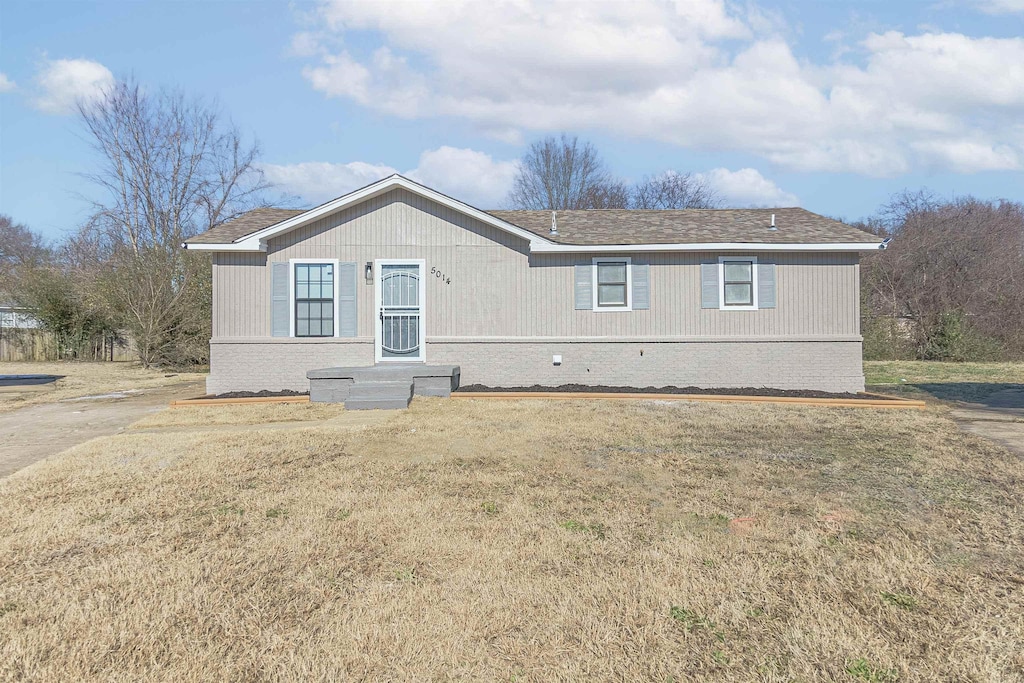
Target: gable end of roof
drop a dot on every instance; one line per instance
(255, 239)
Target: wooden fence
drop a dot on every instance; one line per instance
(40, 345)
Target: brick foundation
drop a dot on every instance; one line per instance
(823, 365)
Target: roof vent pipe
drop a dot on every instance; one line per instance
(773, 223)
(554, 224)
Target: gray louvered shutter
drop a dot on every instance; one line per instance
(641, 287)
(584, 287)
(709, 285)
(347, 287)
(280, 324)
(766, 285)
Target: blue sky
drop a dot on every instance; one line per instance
(830, 105)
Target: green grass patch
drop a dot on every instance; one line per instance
(901, 600)
(690, 620)
(596, 529)
(863, 670)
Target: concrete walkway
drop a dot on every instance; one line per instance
(35, 432)
(999, 419)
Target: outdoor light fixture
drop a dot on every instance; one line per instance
(369, 272)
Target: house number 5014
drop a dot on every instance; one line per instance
(440, 276)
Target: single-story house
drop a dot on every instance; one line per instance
(17, 318)
(396, 272)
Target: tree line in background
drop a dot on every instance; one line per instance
(950, 285)
(567, 173)
(169, 167)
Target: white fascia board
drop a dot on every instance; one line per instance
(229, 246)
(542, 248)
(250, 242)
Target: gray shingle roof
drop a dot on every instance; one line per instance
(686, 226)
(624, 226)
(246, 224)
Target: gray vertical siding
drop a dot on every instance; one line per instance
(498, 289)
(241, 295)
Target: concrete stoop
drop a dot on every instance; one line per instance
(379, 396)
(381, 387)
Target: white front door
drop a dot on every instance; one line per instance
(400, 298)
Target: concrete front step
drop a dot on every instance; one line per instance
(391, 372)
(349, 385)
(377, 403)
(379, 395)
(381, 390)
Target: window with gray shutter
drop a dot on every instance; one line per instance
(584, 287)
(766, 285)
(709, 285)
(280, 326)
(641, 287)
(348, 283)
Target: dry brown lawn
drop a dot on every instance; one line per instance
(89, 379)
(970, 382)
(529, 541)
(240, 414)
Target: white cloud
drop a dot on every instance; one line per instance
(697, 74)
(966, 156)
(304, 44)
(747, 187)
(319, 181)
(465, 174)
(64, 82)
(1000, 6)
(6, 84)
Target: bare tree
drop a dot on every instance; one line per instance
(20, 249)
(674, 190)
(953, 277)
(906, 208)
(567, 173)
(564, 173)
(612, 194)
(170, 168)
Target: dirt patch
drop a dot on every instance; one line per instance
(599, 389)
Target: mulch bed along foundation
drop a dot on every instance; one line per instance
(745, 391)
(257, 394)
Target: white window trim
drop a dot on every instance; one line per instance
(721, 282)
(378, 355)
(629, 282)
(291, 292)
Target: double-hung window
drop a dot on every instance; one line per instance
(314, 299)
(612, 284)
(738, 282)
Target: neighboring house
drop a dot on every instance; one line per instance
(396, 271)
(14, 317)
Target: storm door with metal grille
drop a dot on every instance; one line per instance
(400, 297)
